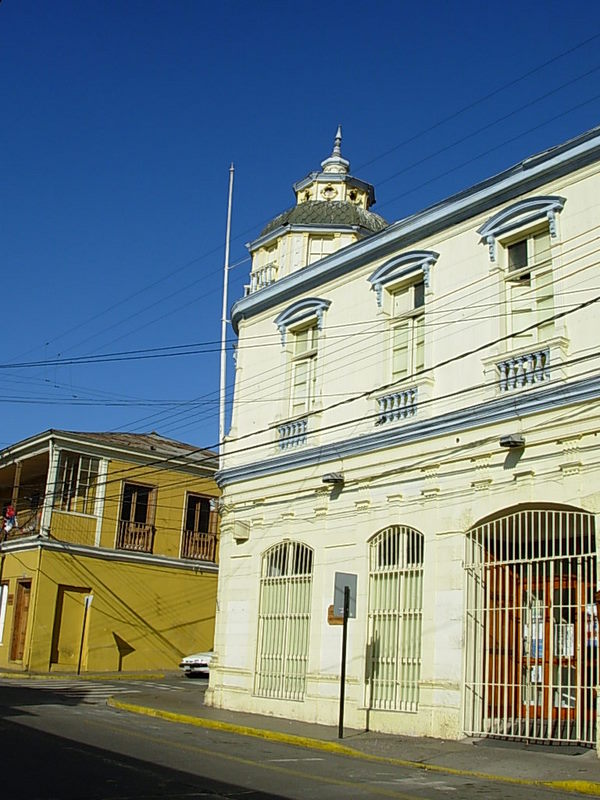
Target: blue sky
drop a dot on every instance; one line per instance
(120, 120)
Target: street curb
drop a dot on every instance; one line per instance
(101, 676)
(575, 786)
(243, 730)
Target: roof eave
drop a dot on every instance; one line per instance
(524, 176)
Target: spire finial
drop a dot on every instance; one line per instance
(337, 142)
(336, 162)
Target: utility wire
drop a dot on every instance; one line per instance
(415, 137)
(164, 462)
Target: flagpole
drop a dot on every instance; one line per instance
(223, 382)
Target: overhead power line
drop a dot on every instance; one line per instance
(213, 251)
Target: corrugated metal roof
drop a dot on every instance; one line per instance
(148, 443)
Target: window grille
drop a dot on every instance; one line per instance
(284, 621)
(395, 618)
(532, 627)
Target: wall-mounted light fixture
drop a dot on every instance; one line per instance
(513, 440)
(334, 478)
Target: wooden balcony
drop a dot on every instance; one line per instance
(28, 524)
(199, 546)
(138, 536)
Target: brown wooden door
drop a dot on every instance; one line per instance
(20, 620)
(554, 643)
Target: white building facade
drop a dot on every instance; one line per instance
(416, 405)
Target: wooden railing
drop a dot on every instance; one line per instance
(135, 536)
(27, 524)
(199, 546)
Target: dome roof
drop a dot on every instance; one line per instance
(327, 212)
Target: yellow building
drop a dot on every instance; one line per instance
(420, 420)
(109, 551)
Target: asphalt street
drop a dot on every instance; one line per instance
(64, 745)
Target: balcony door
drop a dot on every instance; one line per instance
(200, 529)
(136, 523)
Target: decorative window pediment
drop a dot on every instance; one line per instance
(518, 215)
(401, 267)
(299, 312)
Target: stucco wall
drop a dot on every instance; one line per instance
(141, 616)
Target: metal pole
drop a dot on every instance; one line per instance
(86, 607)
(223, 381)
(343, 669)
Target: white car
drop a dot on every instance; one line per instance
(196, 665)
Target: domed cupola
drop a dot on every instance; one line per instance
(331, 212)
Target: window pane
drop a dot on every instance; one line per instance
(545, 305)
(319, 247)
(197, 514)
(541, 248)
(301, 341)
(517, 255)
(402, 302)
(300, 386)
(305, 340)
(522, 312)
(141, 505)
(401, 339)
(136, 503)
(76, 490)
(419, 294)
(127, 502)
(419, 333)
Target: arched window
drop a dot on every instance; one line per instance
(531, 629)
(395, 615)
(284, 621)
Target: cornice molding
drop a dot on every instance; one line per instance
(300, 311)
(124, 556)
(524, 177)
(415, 261)
(523, 212)
(501, 409)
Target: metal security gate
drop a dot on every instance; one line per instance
(532, 627)
(284, 621)
(395, 618)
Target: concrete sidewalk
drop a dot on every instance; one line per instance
(570, 769)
